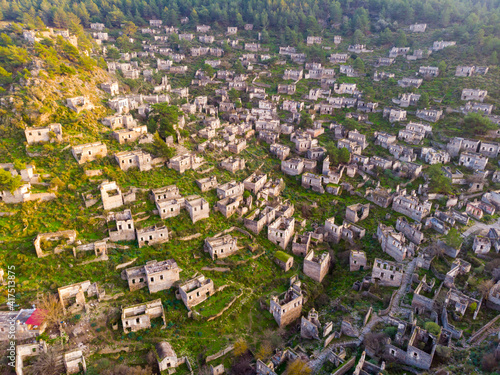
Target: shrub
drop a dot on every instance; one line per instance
(432, 328)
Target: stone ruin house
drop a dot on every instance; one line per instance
(100, 249)
(469, 71)
(394, 114)
(182, 163)
(168, 201)
(357, 212)
(233, 164)
(310, 327)
(431, 115)
(136, 159)
(283, 260)
(394, 243)
(381, 197)
(281, 231)
(473, 160)
(28, 351)
(410, 82)
(195, 291)
(197, 207)
(316, 267)
(412, 231)
(230, 189)
(72, 297)
(271, 189)
(111, 88)
(167, 359)
(228, 206)
(420, 351)
(424, 297)
(313, 181)
(221, 247)
(63, 239)
(259, 218)
(50, 133)
(301, 243)
(287, 307)
(493, 301)
(237, 145)
(286, 89)
(155, 275)
(481, 245)
(347, 231)
(79, 104)
(411, 206)
(74, 362)
(473, 94)
(112, 196)
(384, 139)
(432, 156)
(418, 27)
(255, 182)
(387, 273)
(314, 40)
(428, 71)
(89, 152)
(473, 209)
(132, 134)
(207, 183)
(155, 234)
(338, 58)
(121, 226)
(137, 317)
(357, 260)
(292, 167)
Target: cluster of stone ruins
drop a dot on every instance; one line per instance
(225, 126)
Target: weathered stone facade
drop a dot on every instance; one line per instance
(387, 273)
(259, 218)
(292, 167)
(50, 133)
(316, 267)
(89, 152)
(221, 247)
(411, 206)
(137, 317)
(121, 226)
(198, 208)
(195, 291)
(394, 243)
(155, 234)
(357, 212)
(412, 231)
(230, 190)
(155, 275)
(357, 260)
(287, 307)
(281, 231)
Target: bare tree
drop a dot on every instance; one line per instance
(265, 351)
(298, 367)
(48, 363)
(51, 309)
(376, 343)
(485, 287)
(240, 347)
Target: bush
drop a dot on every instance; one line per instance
(432, 328)
(391, 332)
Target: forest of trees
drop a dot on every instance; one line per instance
(472, 22)
(472, 18)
